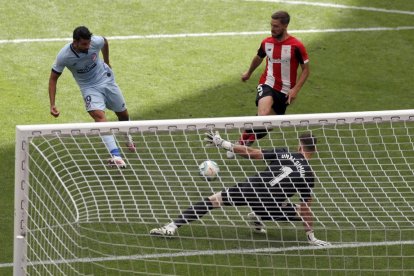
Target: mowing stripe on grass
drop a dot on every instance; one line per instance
(163, 36)
(218, 252)
(331, 5)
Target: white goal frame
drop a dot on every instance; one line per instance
(24, 133)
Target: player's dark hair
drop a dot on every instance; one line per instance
(283, 16)
(308, 142)
(82, 32)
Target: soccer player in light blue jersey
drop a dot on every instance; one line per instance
(96, 82)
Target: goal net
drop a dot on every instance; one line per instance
(75, 215)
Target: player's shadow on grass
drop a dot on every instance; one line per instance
(222, 100)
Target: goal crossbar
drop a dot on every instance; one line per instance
(171, 124)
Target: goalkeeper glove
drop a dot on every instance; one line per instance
(213, 138)
(314, 241)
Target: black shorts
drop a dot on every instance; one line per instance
(264, 204)
(279, 98)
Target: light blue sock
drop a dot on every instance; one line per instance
(109, 141)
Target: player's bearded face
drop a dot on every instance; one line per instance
(277, 28)
(82, 45)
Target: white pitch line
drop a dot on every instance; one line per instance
(164, 36)
(330, 5)
(217, 252)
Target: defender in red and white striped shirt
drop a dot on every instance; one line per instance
(282, 61)
(279, 84)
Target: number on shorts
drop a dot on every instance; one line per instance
(259, 90)
(88, 100)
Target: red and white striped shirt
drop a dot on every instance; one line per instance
(282, 62)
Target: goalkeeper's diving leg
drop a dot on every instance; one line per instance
(194, 212)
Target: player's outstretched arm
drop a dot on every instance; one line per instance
(214, 138)
(105, 52)
(307, 217)
(256, 61)
(293, 93)
(52, 93)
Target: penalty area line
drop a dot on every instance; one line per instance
(269, 250)
(189, 35)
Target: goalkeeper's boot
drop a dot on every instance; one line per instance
(255, 223)
(247, 139)
(163, 231)
(116, 161)
(130, 143)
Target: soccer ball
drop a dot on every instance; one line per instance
(209, 169)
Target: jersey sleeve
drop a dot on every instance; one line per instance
(305, 191)
(261, 52)
(98, 41)
(271, 154)
(59, 64)
(301, 53)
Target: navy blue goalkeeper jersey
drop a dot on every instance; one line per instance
(285, 175)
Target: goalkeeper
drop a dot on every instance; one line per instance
(266, 193)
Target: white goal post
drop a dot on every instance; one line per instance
(74, 215)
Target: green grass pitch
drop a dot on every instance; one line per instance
(193, 77)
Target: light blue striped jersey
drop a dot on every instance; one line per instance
(88, 69)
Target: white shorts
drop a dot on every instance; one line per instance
(104, 96)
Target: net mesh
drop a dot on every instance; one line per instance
(85, 218)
